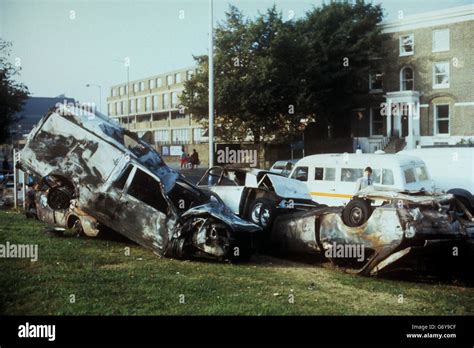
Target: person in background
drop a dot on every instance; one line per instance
(184, 159)
(195, 159)
(366, 180)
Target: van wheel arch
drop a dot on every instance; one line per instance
(464, 196)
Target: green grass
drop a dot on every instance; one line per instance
(105, 281)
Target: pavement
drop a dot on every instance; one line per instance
(192, 175)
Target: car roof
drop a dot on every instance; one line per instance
(360, 160)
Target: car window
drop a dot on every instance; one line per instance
(409, 175)
(301, 174)
(421, 173)
(318, 173)
(146, 189)
(120, 182)
(351, 174)
(387, 177)
(330, 174)
(376, 176)
(279, 165)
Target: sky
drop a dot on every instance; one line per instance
(63, 45)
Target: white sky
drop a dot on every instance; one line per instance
(61, 54)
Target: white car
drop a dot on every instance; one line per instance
(332, 179)
(256, 195)
(451, 168)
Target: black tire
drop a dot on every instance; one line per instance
(262, 212)
(356, 212)
(464, 202)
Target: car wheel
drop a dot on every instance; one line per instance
(262, 212)
(459, 211)
(356, 212)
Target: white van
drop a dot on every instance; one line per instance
(332, 179)
(451, 168)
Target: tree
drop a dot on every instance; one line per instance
(341, 43)
(270, 73)
(12, 93)
(256, 62)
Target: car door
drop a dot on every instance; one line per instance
(143, 212)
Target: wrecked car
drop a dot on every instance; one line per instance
(401, 233)
(256, 195)
(106, 173)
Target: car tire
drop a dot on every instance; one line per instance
(262, 213)
(356, 212)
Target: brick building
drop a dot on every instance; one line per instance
(425, 95)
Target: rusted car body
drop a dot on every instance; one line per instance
(100, 170)
(256, 195)
(398, 235)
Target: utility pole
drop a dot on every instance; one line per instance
(211, 85)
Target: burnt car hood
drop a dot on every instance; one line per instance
(220, 211)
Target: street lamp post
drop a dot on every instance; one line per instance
(126, 63)
(211, 85)
(100, 94)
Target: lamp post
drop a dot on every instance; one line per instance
(126, 63)
(100, 93)
(211, 85)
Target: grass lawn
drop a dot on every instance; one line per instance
(105, 281)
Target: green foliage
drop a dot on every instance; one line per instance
(12, 93)
(271, 73)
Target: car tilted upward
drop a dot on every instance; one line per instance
(114, 179)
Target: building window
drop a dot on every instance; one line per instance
(177, 77)
(180, 136)
(126, 90)
(142, 86)
(406, 79)
(161, 136)
(407, 45)
(174, 100)
(139, 104)
(135, 87)
(155, 102)
(159, 82)
(120, 91)
(169, 80)
(118, 108)
(166, 100)
(189, 74)
(376, 121)
(442, 119)
(113, 92)
(441, 75)
(375, 81)
(152, 84)
(197, 134)
(108, 109)
(147, 103)
(441, 40)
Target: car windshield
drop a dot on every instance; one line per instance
(416, 174)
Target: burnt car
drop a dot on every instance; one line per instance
(407, 231)
(100, 172)
(256, 195)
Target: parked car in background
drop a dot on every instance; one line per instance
(451, 168)
(332, 179)
(283, 167)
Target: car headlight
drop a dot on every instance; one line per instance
(410, 231)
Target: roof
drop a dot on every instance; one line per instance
(360, 160)
(35, 108)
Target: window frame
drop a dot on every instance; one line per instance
(448, 72)
(375, 73)
(436, 119)
(403, 81)
(402, 52)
